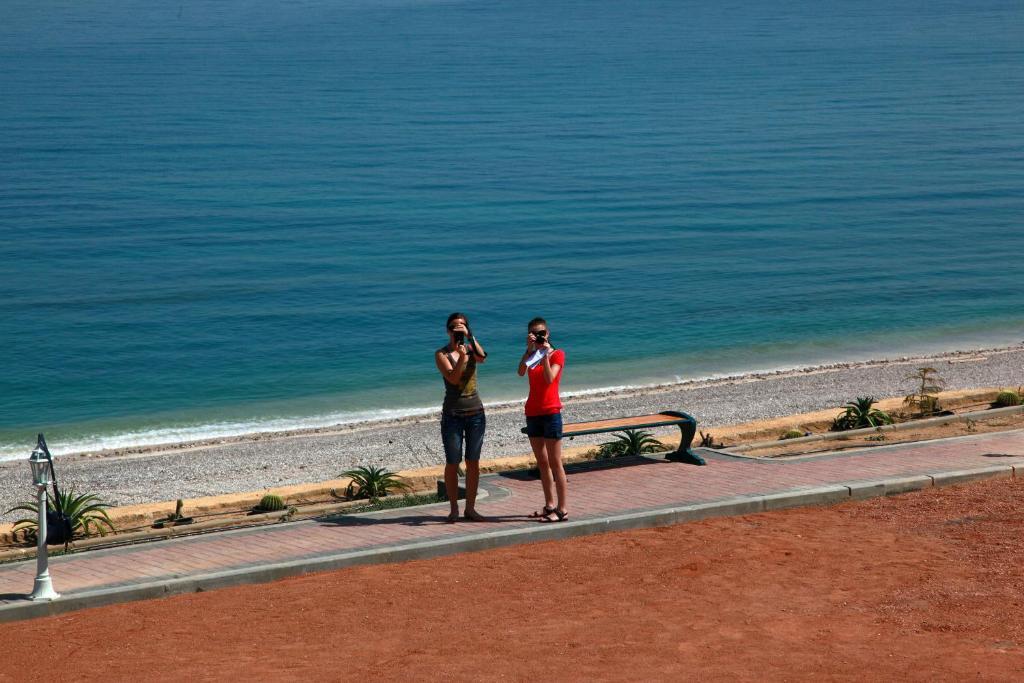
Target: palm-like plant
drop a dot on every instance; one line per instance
(630, 442)
(373, 482)
(924, 400)
(860, 413)
(86, 511)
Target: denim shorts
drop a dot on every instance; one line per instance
(547, 426)
(456, 430)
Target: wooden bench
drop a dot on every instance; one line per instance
(686, 423)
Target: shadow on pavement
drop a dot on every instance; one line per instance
(588, 466)
(438, 519)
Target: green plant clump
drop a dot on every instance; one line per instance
(86, 511)
(859, 414)
(271, 503)
(405, 500)
(1005, 399)
(791, 434)
(630, 442)
(373, 482)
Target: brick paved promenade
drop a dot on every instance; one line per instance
(645, 492)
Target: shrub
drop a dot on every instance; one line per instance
(859, 414)
(630, 442)
(405, 500)
(924, 400)
(791, 434)
(708, 441)
(270, 503)
(373, 482)
(86, 512)
(1005, 399)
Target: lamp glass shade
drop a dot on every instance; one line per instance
(40, 468)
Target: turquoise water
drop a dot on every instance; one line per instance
(220, 217)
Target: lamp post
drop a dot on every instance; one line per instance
(43, 588)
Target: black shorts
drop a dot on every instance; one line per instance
(546, 426)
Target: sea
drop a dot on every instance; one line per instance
(229, 216)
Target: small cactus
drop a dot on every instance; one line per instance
(791, 434)
(271, 503)
(1005, 399)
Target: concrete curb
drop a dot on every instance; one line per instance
(844, 453)
(743, 505)
(965, 476)
(889, 487)
(822, 495)
(979, 415)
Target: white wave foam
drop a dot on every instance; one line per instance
(204, 432)
(179, 434)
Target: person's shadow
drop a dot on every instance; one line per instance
(588, 466)
(419, 519)
(423, 519)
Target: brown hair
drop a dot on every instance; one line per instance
(456, 316)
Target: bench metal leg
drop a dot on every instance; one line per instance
(688, 430)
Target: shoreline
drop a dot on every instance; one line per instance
(269, 461)
(419, 414)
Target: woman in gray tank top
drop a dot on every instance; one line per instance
(462, 415)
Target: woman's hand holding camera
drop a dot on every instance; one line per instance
(461, 337)
(537, 341)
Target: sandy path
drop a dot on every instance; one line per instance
(926, 586)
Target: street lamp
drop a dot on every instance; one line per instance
(40, 464)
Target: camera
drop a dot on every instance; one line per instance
(540, 337)
(460, 337)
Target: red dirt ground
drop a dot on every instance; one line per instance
(926, 586)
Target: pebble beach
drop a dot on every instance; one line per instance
(261, 461)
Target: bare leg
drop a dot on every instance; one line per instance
(557, 469)
(451, 488)
(472, 483)
(538, 443)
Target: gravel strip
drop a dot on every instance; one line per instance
(266, 461)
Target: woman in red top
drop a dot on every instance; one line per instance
(543, 364)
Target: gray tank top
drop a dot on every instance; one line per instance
(462, 399)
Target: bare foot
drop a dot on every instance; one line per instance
(452, 517)
(473, 516)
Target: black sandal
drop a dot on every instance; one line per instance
(559, 517)
(540, 514)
